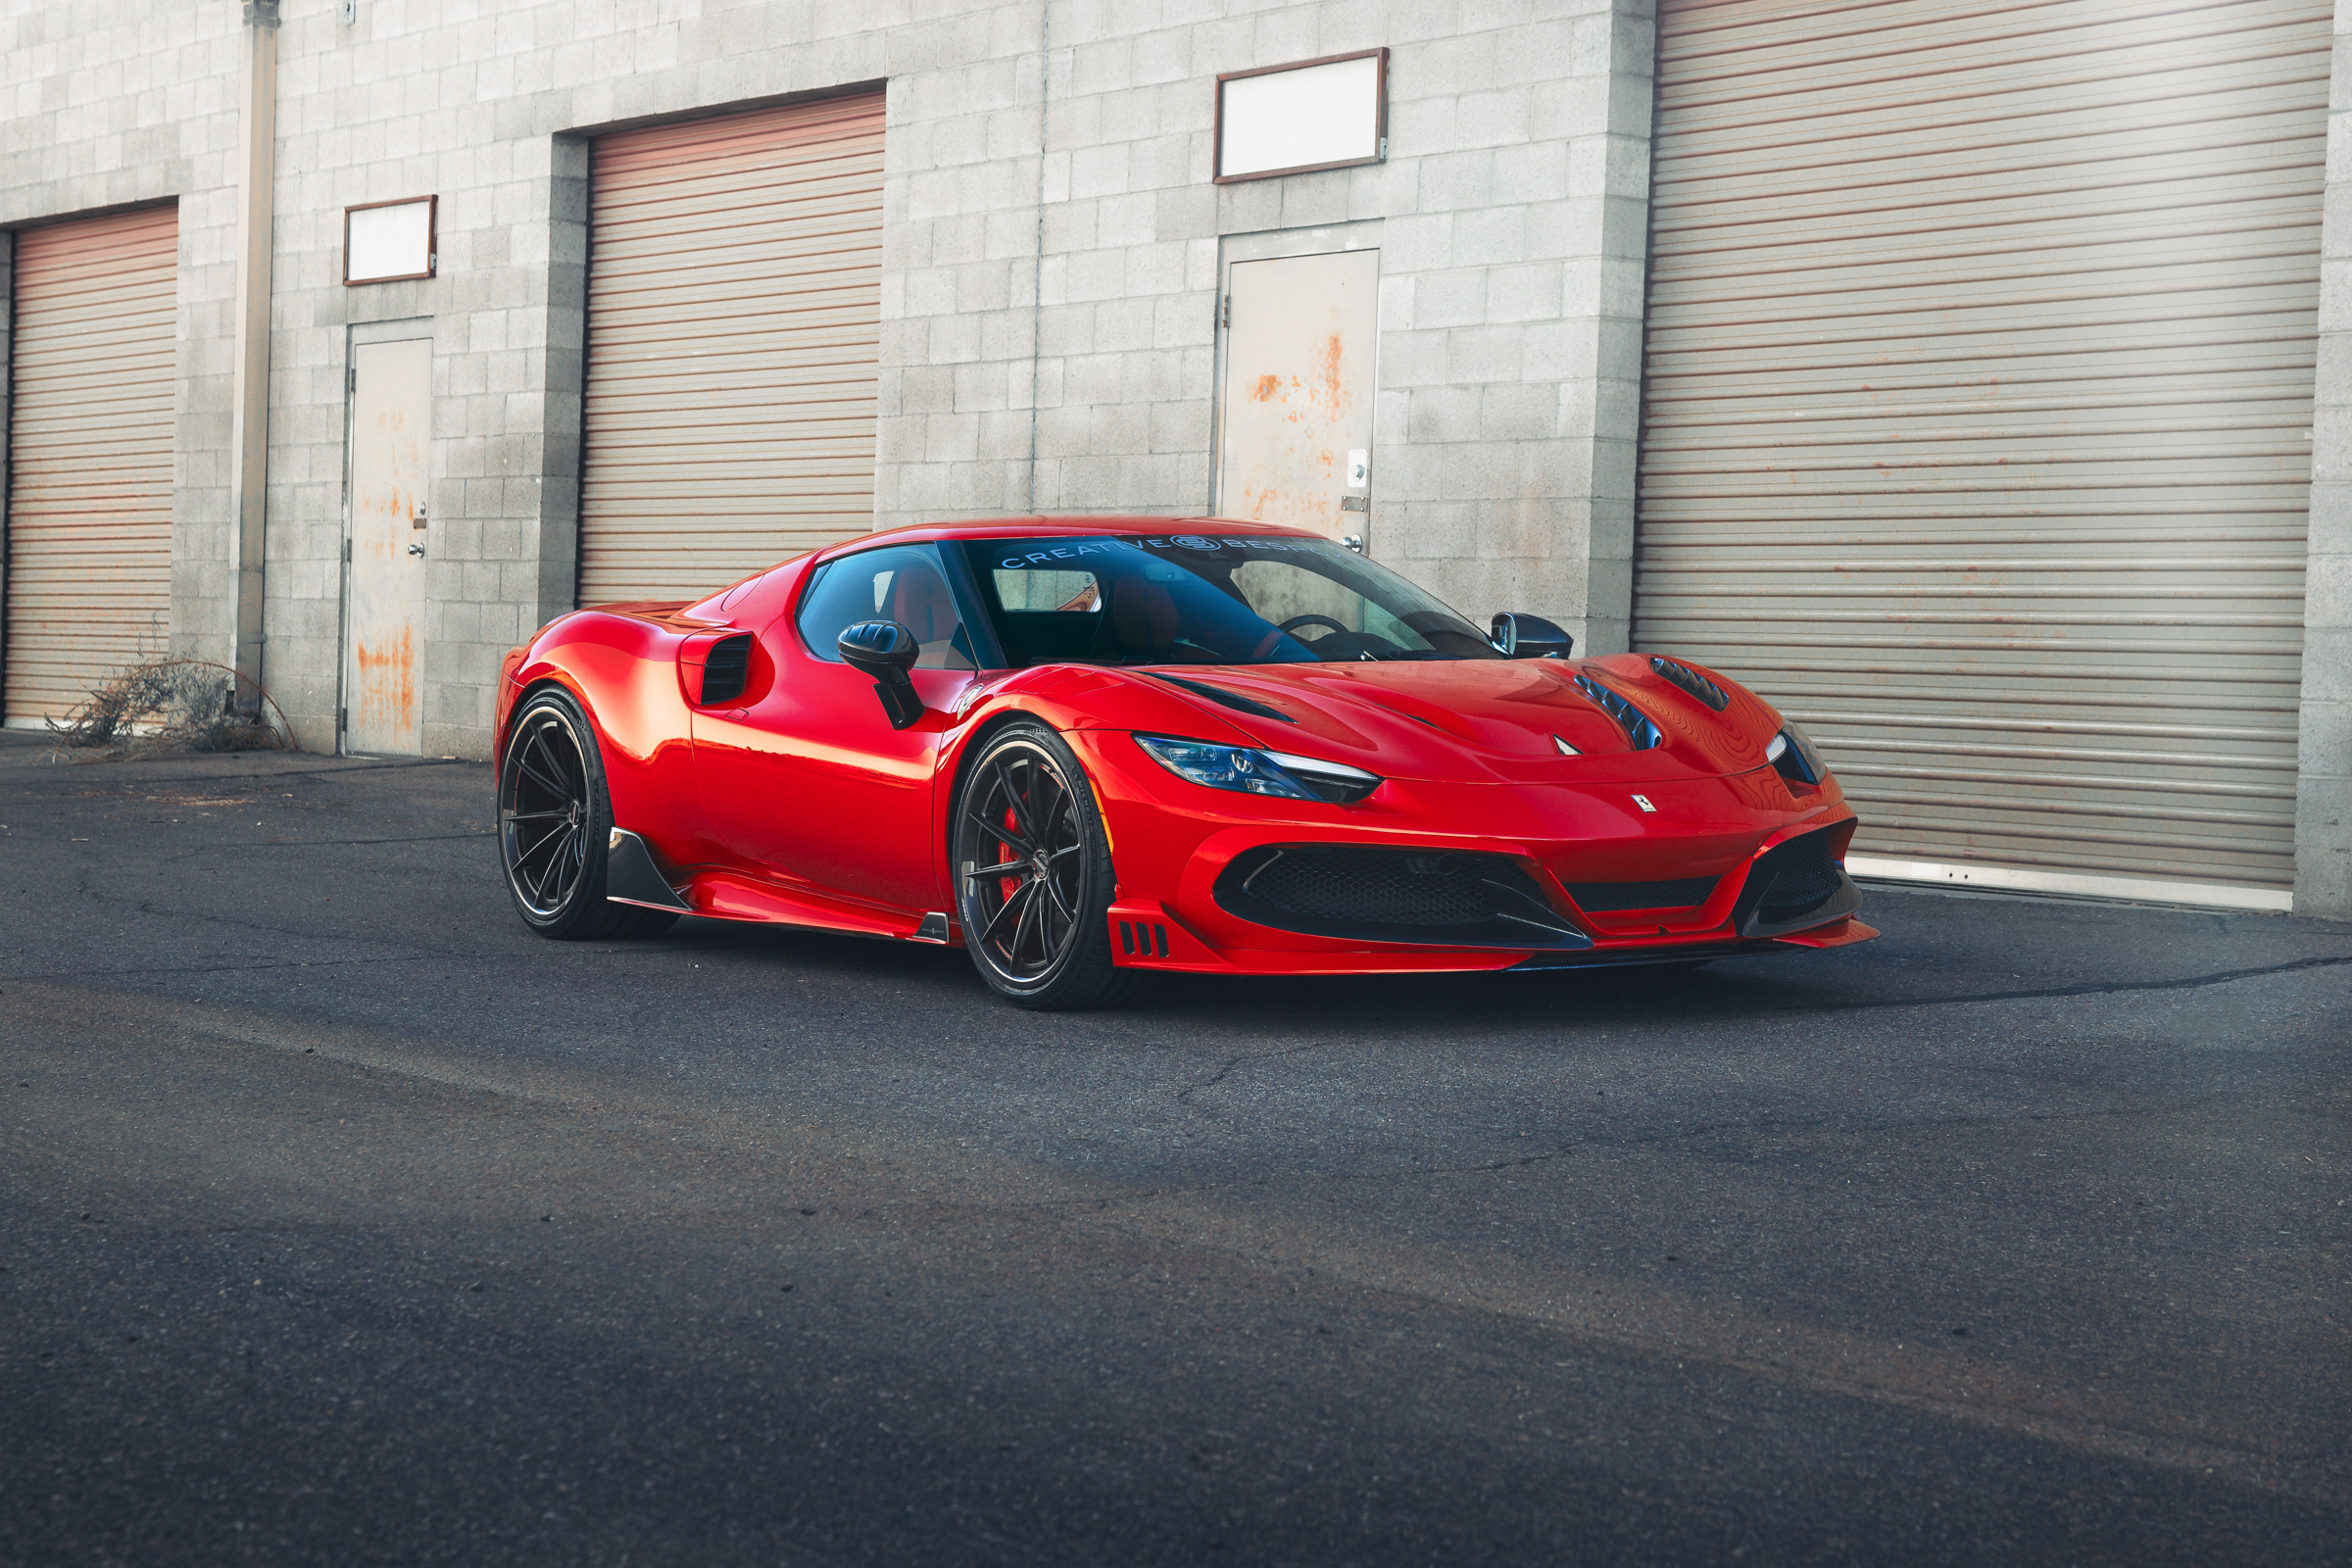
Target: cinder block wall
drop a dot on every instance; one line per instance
(1051, 259)
(1514, 210)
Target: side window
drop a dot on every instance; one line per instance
(904, 584)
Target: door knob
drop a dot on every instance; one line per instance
(416, 550)
(1353, 541)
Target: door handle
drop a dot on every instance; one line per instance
(416, 550)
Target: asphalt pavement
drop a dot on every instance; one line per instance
(343, 1222)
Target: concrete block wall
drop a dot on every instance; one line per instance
(1051, 269)
(483, 103)
(107, 104)
(2324, 790)
(1514, 204)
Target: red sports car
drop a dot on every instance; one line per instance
(1088, 747)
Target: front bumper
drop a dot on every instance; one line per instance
(1738, 864)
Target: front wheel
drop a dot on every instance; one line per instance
(555, 824)
(1032, 875)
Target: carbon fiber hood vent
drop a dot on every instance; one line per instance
(1635, 724)
(1691, 681)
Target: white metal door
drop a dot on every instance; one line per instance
(383, 624)
(1294, 441)
(1976, 417)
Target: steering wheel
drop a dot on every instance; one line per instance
(1311, 618)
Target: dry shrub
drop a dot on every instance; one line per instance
(174, 704)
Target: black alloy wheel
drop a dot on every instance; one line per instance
(555, 824)
(1032, 875)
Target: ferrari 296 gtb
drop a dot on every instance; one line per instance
(1087, 749)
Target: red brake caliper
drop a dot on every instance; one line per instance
(1008, 886)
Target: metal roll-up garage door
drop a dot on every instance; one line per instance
(1977, 417)
(89, 497)
(734, 335)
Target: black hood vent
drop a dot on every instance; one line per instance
(1218, 694)
(1691, 681)
(1636, 725)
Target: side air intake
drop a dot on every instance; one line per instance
(1691, 681)
(727, 668)
(1638, 728)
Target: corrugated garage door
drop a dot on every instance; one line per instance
(1978, 410)
(734, 330)
(89, 498)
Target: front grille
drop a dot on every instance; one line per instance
(1793, 885)
(1599, 898)
(1373, 895)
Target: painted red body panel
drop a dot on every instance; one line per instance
(797, 803)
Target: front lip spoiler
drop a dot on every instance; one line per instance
(1627, 958)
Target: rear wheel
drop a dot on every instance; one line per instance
(1032, 875)
(555, 822)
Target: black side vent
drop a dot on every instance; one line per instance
(1602, 898)
(729, 667)
(1151, 940)
(1638, 728)
(1366, 895)
(1793, 886)
(1233, 700)
(1691, 681)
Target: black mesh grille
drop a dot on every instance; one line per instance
(1393, 896)
(1602, 897)
(1377, 885)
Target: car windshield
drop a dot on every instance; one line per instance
(1201, 599)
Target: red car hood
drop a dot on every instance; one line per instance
(1487, 721)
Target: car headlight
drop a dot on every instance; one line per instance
(1253, 771)
(1793, 757)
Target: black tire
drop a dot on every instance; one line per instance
(1032, 875)
(555, 822)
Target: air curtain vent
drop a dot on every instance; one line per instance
(1691, 681)
(1638, 728)
(727, 670)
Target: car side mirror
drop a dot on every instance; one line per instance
(885, 651)
(1530, 637)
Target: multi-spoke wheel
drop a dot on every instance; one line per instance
(1033, 877)
(554, 824)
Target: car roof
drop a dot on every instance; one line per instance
(1063, 527)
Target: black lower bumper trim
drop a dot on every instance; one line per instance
(1421, 897)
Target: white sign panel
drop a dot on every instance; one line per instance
(1324, 114)
(388, 240)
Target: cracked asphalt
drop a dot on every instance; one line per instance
(343, 1222)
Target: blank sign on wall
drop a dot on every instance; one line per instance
(1290, 119)
(384, 242)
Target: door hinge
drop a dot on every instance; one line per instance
(342, 719)
(1225, 312)
(347, 552)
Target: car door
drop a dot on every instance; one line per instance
(806, 781)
